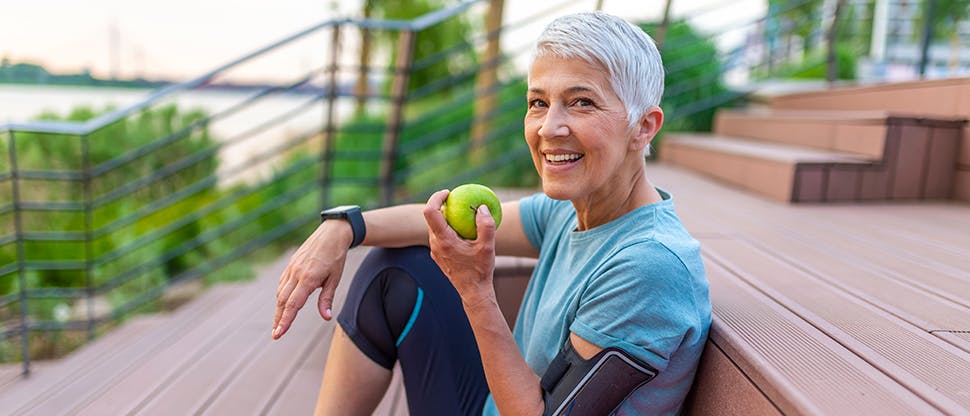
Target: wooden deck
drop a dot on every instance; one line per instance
(860, 308)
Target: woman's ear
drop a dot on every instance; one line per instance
(646, 128)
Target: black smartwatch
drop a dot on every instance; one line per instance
(352, 214)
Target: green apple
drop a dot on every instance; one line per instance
(462, 205)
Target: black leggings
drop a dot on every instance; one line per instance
(400, 306)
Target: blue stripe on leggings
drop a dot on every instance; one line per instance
(414, 317)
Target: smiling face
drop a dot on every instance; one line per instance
(577, 130)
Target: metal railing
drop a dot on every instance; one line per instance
(98, 224)
(106, 215)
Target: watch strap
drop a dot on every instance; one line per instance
(353, 215)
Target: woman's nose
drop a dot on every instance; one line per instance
(554, 123)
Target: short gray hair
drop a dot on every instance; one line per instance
(629, 55)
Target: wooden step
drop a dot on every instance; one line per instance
(944, 97)
(781, 172)
(941, 99)
(800, 369)
(916, 156)
(859, 132)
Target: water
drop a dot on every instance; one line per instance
(238, 131)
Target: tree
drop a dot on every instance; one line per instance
(947, 16)
(428, 43)
(801, 18)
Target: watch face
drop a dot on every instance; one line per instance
(342, 208)
(340, 212)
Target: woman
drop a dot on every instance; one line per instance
(618, 280)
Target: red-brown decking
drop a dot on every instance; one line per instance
(837, 309)
(825, 156)
(944, 98)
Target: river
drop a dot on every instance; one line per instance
(22, 103)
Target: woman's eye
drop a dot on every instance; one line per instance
(536, 103)
(582, 102)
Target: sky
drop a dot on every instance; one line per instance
(181, 39)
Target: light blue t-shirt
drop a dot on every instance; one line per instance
(636, 283)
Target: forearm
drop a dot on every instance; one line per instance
(397, 226)
(513, 384)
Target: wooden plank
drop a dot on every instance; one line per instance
(961, 183)
(907, 175)
(801, 370)
(844, 183)
(866, 140)
(152, 364)
(720, 388)
(941, 160)
(300, 395)
(939, 373)
(394, 402)
(859, 132)
(87, 355)
(846, 234)
(205, 375)
(161, 362)
(77, 383)
(258, 384)
(940, 296)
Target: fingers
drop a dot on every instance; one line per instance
(325, 300)
(432, 212)
(290, 306)
(282, 294)
(485, 224)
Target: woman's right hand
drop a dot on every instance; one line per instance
(318, 263)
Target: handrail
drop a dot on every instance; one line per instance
(87, 127)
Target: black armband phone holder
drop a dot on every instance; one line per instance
(578, 387)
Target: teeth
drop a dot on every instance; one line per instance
(563, 158)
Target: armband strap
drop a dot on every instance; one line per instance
(578, 387)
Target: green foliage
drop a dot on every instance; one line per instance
(946, 17)
(440, 144)
(156, 213)
(435, 146)
(693, 89)
(801, 18)
(176, 138)
(815, 65)
(430, 42)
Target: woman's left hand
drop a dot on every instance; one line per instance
(469, 264)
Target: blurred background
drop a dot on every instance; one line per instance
(149, 150)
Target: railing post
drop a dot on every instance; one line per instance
(329, 132)
(19, 235)
(832, 63)
(88, 233)
(927, 36)
(661, 35)
(362, 89)
(399, 91)
(486, 80)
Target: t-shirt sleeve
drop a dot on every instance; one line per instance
(535, 212)
(642, 302)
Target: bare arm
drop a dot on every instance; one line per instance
(469, 265)
(319, 262)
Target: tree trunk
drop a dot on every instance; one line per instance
(362, 89)
(485, 86)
